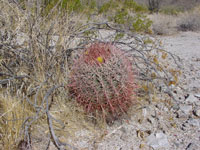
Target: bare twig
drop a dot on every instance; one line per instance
(54, 138)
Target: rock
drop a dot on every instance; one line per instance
(158, 141)
(176, 106)
(194, 122)
(144, 112)
(192, 146)
(186, 108)
(197, 112)
(191, 99)
(197, 95)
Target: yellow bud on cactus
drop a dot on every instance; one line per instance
(86, 52)
(100, 59)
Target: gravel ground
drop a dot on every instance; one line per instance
(187, 46)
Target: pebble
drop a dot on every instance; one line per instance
(158, 141)
(144, 111)
(197, 95)
(194, 122)
(192, 146)
(186, 108)
(197, 112)
(191, 99)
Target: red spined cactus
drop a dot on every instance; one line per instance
(102, 80)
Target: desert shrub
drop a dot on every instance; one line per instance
(141, 23)
(89, 8)
(127, 5)
(170, 10)
(91, 4)
(102, 81)
(164, 24)
(133, 6)
(189, 22)
(121, 16)
(64, 5)
(71, 5)
(154, 5)
(108, 6)
(32, 62)
(137, 23)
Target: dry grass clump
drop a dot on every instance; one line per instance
(189, 21)
(13, 113)
(33, 70)
(163, 24)
(169, 24)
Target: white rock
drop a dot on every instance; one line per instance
(191, 99)
(186, 108)
(197, 112)
(197, 95)
(144, 111)
(192, 146)
(158, 141)
(194, 122)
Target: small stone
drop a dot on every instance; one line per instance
(144, 111)
(191, 99)
(175, 106)
(186, 96)
(186, 108)
(194, 122)
(192, 146)
(181, 114)
(197, 112)
(140, 134)
(197, 95)
(176, 144)
(141, 146)
(158, 141)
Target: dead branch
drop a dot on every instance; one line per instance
(54, 138)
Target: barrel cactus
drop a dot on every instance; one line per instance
(102, 81)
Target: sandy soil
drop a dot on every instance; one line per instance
(184, 44)
(187, 46)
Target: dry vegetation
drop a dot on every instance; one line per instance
(36, 55)
(164, 24)
(175, 16)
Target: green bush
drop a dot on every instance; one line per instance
(65, 5)
(132, 5)
(171, 10)
(71, 5)
(108, 6)
(141, 23)
(121, 16)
